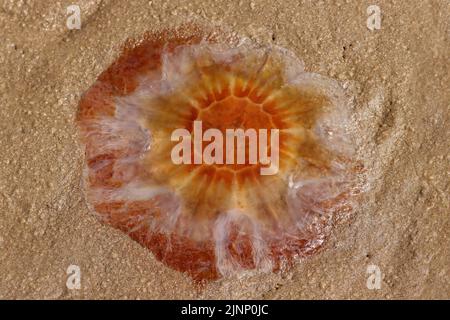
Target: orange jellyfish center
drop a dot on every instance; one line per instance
(234, 112)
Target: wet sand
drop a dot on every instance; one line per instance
(398, 77)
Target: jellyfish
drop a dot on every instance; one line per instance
(216, 218)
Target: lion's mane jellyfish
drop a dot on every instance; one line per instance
(216, 219)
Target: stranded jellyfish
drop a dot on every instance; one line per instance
(219, 158)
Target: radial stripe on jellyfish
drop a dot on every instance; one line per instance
(219, 218)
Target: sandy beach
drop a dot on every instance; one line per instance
(398, 79)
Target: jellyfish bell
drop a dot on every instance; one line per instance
(217, 218)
